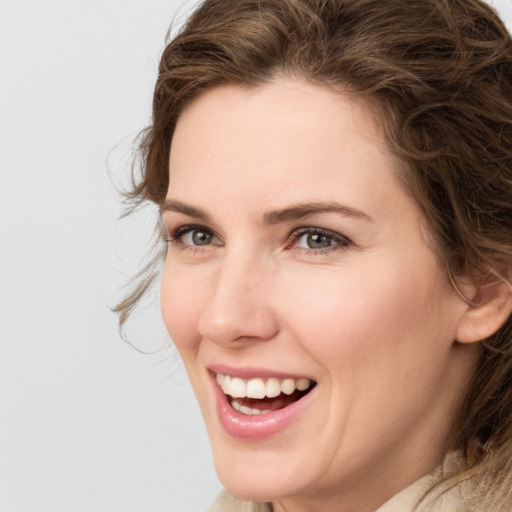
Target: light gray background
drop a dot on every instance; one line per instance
(87, 422)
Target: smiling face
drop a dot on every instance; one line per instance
(315, 323)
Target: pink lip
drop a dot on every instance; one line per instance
(250, 372)
(258, 427)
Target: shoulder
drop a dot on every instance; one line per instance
(419, 497)
(440, 491)
(228, 503)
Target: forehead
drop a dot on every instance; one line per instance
(286, 140)
(284, 102)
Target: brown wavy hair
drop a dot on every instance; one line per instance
(438, 75)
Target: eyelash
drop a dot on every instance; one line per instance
(338, 241)
(176, 237)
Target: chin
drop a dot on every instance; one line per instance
(260, 488)
(255, 477)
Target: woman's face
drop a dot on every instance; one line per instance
(315, 323)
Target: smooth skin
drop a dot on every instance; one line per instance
(352, 297)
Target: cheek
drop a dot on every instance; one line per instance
(350, 318)
(180, 306)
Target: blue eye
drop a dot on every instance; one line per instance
(195, 236)
(319, 239)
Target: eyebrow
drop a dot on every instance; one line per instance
(171, 205)
(302, 210)
(293, 212)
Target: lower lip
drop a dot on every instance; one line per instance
(259, 426)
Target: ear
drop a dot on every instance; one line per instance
(490, 307)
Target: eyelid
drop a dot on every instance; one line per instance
(182, 229)
(342, 241)
(176, 234)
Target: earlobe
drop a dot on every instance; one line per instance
(490, 308)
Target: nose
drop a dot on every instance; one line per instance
(238, 310)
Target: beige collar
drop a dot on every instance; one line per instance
(405, 501)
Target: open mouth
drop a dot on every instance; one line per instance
(260, 396)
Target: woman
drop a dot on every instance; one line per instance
(335, 182)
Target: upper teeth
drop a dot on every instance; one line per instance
(258, 388)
